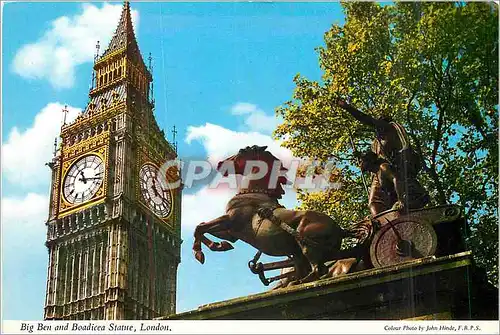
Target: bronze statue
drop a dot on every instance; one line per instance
(254, 215)
(391, 189)
(310, 240)
(391, 145)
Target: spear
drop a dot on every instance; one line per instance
(355, 152)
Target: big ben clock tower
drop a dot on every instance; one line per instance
(113, 232)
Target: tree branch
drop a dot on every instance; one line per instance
(475, 203)
(418, 146)
(438, 135)
(441, 197)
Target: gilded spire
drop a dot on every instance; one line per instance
(124, 34)
(120, 68)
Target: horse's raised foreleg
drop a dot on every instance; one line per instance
(220, 225)
(216, 246)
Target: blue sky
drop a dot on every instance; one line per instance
(220, 70)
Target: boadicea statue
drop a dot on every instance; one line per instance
(254, 215)
(393, 163)
(399, 227)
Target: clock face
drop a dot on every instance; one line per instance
(154, 190)
(83, 179)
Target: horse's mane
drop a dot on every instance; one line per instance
(259, 150)
(259, 153)
(254, 149)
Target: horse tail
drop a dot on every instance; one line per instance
(361, 231)
(346, 233)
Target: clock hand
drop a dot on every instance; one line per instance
(155, 190)
(90, 178)
(84, 179)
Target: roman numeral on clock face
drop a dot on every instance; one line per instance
(83, 179)
(154, 191)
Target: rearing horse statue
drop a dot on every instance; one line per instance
(254, 216)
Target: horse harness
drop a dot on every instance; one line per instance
(267, 212)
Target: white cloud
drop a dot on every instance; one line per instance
(255, 118)
(204, 205)
(25, 153)
(69, 42)
(24, 255)
(242, 108)
(220, 142)
(23, 220)
(27, 212)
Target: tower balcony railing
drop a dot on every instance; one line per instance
(76, 222)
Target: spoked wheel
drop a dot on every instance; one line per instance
(401, 240)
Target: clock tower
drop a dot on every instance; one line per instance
(113, 231)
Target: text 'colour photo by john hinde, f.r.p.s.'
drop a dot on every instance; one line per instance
(335, 164)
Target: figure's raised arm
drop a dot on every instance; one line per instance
(362, 117)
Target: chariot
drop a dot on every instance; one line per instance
(395, 238)
(311, 240)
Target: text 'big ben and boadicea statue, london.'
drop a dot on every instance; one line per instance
(113, 232)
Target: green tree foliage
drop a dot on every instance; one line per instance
(432, 67)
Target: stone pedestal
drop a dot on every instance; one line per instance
(448, 287)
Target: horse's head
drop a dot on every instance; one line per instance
(249, 163)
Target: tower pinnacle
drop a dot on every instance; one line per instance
(121, 67)
(124, 34)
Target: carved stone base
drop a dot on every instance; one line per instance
(448, 287)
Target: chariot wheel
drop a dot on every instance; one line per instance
(401, 240)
